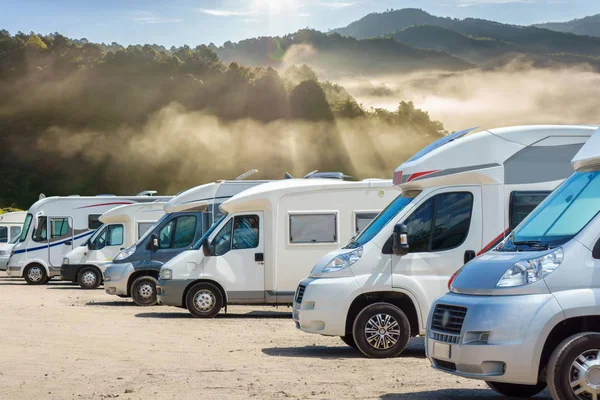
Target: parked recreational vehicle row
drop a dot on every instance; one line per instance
(10, 225)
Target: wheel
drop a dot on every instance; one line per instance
(143, 291)
(35, 275)
(204, 300)
(349, 340)
(89, 278)
(574, 368)
(381, 330)
(516, 390)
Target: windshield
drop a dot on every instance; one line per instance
(98, 232)
(208, 232)
(380, 221)
(560, 217)
(25, 229)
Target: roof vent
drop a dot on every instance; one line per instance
(327, 175)
(246, 174)
(147, 193)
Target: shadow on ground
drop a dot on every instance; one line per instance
(454, 394)
(111, 303)
(250, 315)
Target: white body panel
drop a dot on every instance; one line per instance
(488, 165)
(10, 225)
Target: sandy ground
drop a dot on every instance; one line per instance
(61, 342)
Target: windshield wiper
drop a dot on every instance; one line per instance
(533, 243)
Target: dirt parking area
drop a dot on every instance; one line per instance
(61, 342)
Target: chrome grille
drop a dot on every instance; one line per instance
(445, 338)
(300, 293)
(448, 319)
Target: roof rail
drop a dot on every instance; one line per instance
(246, 174)
(147, 193)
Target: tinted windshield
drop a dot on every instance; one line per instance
(208, 232)
(560, 217)
(380, 221)
(25, 229)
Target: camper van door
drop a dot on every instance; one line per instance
(238, 258)
(60, 240)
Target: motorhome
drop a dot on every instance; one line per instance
(526, 315)
(134, 271)
(121, 227)
(5, 250)
(10, 225)
(268, 236)
(460, 196)
(54, 226)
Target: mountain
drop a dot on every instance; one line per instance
(589, 26)
(338, 53)
(528, 39)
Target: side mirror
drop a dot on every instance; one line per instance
(154, 243)
(400, 240)
(207, 249)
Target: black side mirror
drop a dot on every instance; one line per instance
(154, 243)
(207, 249)
(400, 240)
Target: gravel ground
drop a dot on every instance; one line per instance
(61, 342)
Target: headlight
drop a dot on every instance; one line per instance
(65, 261)
(166, 274)
(344, 260)
(529, 271)
(125, 253)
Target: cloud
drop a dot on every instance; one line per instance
(469, 3)
(337, 4)
(250, 20)
(304, 15)
(146, 17)
(229, 13)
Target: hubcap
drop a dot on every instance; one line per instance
(145, 291)
(382, 331)
(35, 274)
(89, 278)
(204, 300)
(585, 375)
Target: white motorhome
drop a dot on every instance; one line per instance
(10, 225)
(460, 197)
(5, 250)
(121, 227)
(266, 241)
(54, 226)
(526, 315)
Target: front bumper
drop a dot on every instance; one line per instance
(513, 326)
(170, 292)
(4, 262)
(68, 272)
(14, 271)
(116, 278)
(324, 305)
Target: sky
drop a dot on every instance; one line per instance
(193, 22)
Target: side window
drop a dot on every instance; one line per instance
(313, 228)
(222, 240)
(452, 220)
(115, 235)
(363, 219)
(523, 203)
(3, 234)
(245, 232)
(185, 228)
(59, 227)
(14, 232)
(143, 228)
(39, 234)
(94, 221)
(165, 235)
(419, 227)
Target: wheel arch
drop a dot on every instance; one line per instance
(33, 262)
(136, 274)
(204, 280)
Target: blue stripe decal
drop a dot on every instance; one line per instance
(55, 244)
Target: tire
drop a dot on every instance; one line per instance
(204, 300)
(563, 367)
(396, 331)
(349, 340)
(516, 390)
(143, 291)
(35, 274)
(89, 278)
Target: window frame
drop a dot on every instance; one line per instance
(97, 216)
(513, 195)
(7, 233)
(174, 231)
(52, 220)
(334, 213)
(233, 232)
(35, 229)
(356, 214)
(109, 228)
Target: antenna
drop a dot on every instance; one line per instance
(288, 176)
(42, 196)
(147, 193)
(246, 174)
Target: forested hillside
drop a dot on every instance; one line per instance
(76, 117)
(589, 26)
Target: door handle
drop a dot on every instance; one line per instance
(469, 255)
(259, 257)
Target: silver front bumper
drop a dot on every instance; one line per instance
(116, 278)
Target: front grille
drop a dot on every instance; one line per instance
(445, 338)
(300, 293)
(450, 366)
(448, 319)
